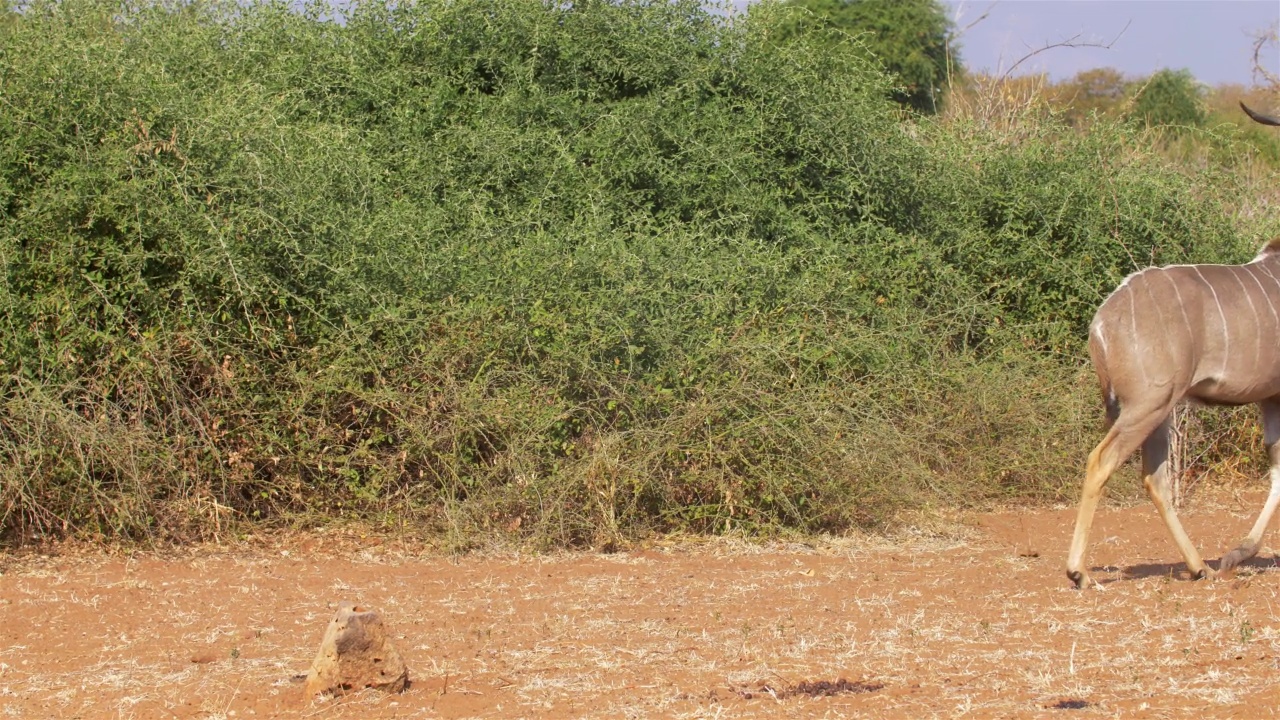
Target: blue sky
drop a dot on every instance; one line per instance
(1211, 38)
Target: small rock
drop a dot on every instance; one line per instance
(355, 654)
(202, 657)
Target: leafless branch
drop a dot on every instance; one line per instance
(985, 14)
(1259, 68)
(1071, 42)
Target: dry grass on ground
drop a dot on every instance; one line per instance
(978, 621)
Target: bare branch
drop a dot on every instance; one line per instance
(1259, 68)
(985, 14)
(981, 17)
(1071, 42)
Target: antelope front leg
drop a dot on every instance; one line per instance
(1251, 544)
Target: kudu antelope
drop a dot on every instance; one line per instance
(1206, 333)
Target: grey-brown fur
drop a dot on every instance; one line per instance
(1207, 333)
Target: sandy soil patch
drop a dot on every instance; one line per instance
(980, 622)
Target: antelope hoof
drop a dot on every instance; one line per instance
(1080, 579)
(1205, 573)
(1234, 558)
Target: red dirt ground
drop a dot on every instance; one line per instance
(978, 620)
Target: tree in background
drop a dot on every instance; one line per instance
(1170, 98)
(1099, 90)
(912, 38)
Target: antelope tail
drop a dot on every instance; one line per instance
(1097, 351)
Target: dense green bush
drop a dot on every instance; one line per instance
(577, 270)
(913, 39)
(1170, 98)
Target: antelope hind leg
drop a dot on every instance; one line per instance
(1155, 475)
(1133, 425)
(1102, 462)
